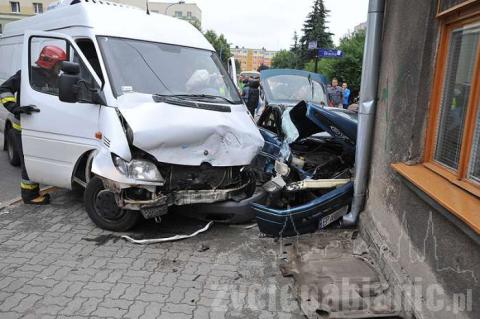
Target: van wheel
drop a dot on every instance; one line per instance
(103, 210)
(13, 157)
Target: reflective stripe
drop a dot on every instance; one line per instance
(16, 126)
(29, 186)
(8, 99)
(5, 94)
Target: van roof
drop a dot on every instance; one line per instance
(113, 19)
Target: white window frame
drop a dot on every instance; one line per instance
(38, 7)
(15, 5)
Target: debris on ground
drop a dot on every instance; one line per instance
(203, 248)
(334, 280)
(166, 239)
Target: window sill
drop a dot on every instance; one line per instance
(457, 201)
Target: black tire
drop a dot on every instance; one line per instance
(126, 219)
(13, 157)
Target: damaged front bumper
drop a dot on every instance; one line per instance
(306, 218)
(159, 203)
(153, 199)
(232, 211)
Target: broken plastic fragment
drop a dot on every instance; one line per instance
(167, 239)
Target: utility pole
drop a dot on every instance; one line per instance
(316, 61)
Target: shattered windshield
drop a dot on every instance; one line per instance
(293, 88)
(164, 69)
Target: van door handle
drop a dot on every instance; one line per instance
(28, 109)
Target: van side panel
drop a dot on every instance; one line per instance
(10, 63)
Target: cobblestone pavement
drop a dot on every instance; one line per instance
(55, 263)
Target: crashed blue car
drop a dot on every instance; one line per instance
(307, 161)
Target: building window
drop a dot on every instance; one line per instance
(189, 14)
(178, 14)
(38, 8)
(15, 6)
(453, 144)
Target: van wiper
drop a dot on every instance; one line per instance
(197, 96)
(187, 101)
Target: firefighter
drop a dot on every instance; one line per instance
(44, 77)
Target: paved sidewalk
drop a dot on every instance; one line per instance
(55, 263)
(10, 177)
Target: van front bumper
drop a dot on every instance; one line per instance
(229, 211)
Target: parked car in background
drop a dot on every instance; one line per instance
(250, 75)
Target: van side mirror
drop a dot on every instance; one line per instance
(72, 88)
(68, 82)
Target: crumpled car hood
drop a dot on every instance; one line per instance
(190, 136)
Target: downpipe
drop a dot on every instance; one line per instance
(368, 103)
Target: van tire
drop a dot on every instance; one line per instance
(13, 157)
(126, 221)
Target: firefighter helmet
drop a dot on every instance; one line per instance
(50, 56)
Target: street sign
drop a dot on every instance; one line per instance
(312, 45)
(329, 53)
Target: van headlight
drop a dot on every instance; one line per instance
(138, 169)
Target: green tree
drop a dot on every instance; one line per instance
(220, 44)
(315, 29)
(196, 23)
(297, 52)
(283, 59)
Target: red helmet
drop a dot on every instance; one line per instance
(50, 56)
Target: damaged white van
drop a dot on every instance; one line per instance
(143, 114)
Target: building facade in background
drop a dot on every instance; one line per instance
(360, 27)
(251, 59)
(182, 10)
(422, 215)
(19, 9)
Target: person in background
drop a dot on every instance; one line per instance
(334, 94)
(240, 82)
(253, 96)
(245, 89)
(345, 94)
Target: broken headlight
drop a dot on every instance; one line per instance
(138, 169)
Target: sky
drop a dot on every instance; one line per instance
(271, 23)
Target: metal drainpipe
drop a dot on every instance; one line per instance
(366, 114)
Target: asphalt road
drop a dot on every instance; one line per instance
(9, 177)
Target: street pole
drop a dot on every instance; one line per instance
(172, 4)
(316, 63)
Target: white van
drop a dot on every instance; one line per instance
(144, 115)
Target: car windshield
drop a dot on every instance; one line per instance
(293, 88)
(164, 69)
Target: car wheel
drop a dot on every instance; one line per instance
(13, 157)
(103, 210)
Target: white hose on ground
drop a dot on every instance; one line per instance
(167, 239)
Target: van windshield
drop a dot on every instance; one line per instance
(164, 69)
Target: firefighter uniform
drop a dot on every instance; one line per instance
(8, 90)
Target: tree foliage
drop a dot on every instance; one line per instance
(348, 68)
(220, 44)
(315, 29)
(283, 59)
